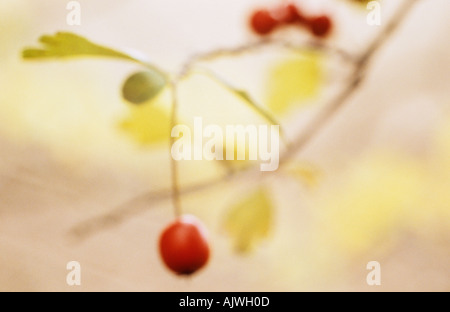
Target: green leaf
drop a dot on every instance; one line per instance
(293, 81)
(66, 44)
(249, 220)
(143, 86)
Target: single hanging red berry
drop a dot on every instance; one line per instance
(183, 245)
(262, 22)
(320, 25)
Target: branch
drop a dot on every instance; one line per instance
(358, 75)
(121, 213)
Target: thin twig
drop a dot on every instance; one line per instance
(262, 44)
(173, 162)
(247, 98)
(133, 207)
(114, 217)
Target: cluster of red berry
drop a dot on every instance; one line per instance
(264, 21)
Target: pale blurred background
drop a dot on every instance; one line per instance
(383, 161)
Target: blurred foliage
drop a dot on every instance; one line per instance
(249, 220)
(148, 123)
(381, 194)
(306, 173)
(371, 202)
(235, 164)
(385, 194)
(294, 80)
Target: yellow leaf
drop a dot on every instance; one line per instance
(293, 81)
(240, 149)
(148, 123)
(249, 220)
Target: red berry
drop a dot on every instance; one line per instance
(183, 245)
(288, 14)
(320, 25)
(262, 22)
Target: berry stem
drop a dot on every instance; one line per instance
(176, 201)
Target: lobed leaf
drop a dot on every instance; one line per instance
(66, 45)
